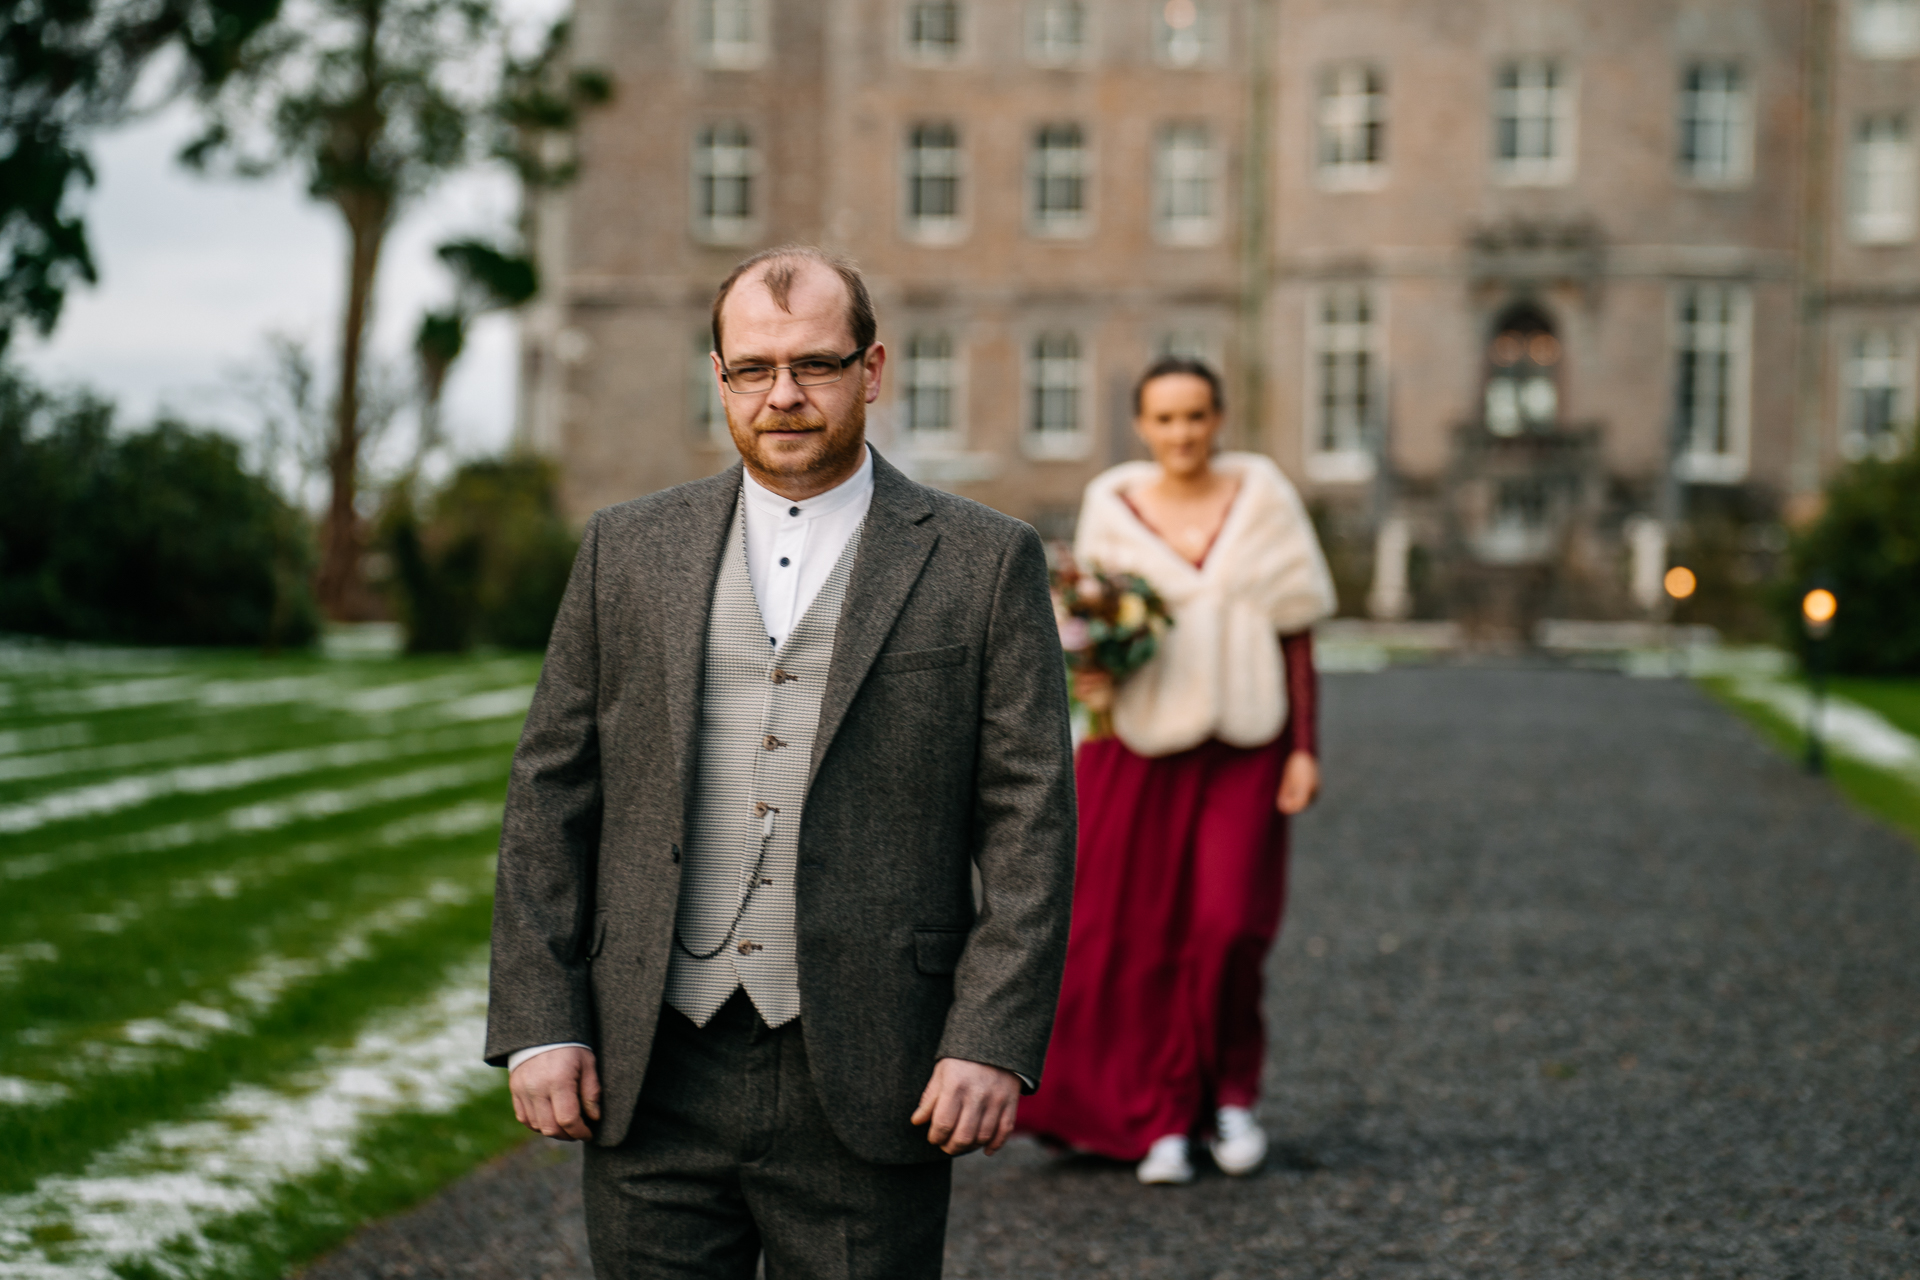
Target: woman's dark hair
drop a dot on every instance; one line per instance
(1168, 366)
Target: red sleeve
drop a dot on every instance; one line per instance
(1303, 690)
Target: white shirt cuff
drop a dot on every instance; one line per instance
(519, 1056)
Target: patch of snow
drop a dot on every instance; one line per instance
(15, 1092)
(199, 779)
(496, 705)
(168, 1182)
(303, 806)
(47, 737)
(1847, 727)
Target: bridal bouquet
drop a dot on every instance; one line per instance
(1110, 623)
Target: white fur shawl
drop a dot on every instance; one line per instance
(1218, 672)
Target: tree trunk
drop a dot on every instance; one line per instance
(341, 592)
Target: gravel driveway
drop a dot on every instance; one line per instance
(1578, 979)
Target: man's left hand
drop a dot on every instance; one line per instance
(968, 1105)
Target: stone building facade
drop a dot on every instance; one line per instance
(1512, 288)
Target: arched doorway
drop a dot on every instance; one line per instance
(1522, 372)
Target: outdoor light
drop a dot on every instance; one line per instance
(1817, 608)
(1680, 582)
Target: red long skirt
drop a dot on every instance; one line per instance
(1181, 881)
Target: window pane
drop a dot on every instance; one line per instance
(1878, 379)
(933, 173)
(1532, 119)
(1345, 363)
(1059, 166)
(1352, 117)
(1713, 122)
(1884, 183)
(1056, 30)
(1186, 202)
(1186, 32)
(927, 391)
(725, 166)
(1709, 359)
(1056, 370)
(933, 28)
(1886, 28)
(729, 31)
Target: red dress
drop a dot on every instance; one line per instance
(1181, 879)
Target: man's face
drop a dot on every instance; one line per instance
(798, 441)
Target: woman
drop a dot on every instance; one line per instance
(1183, 832)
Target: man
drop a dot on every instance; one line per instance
(787, 713)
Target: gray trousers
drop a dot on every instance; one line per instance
(731, 1155)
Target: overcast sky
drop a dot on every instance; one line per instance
(196, 272)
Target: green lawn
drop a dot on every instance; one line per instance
(1889, 793)
(243, 917)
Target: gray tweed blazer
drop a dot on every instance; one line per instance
(942, 747)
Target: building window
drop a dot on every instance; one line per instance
(929, 386)
(1188, 344)
(1533, 122)
(707, 411)
(1716, 136)
(1522, 392)
(1712, 328)
(1877, 377)
(1058, 170)
(1056, 397)
(1344, 352)
(1186, 185)
(1352, 126)
(1886, 28)
(933, 30)
(1186, 33)
(726, 170)
(730, 34)
(1056, 32)
(1884, 187)
(933, 183)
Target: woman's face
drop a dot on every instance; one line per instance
(1178, 422)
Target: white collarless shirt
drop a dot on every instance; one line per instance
(791, 548)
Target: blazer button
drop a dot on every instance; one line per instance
(675, 851)
(772, 743)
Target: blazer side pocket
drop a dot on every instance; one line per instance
(937, 951)
(895, 661)
(599, 933)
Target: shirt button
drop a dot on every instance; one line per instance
(784, 562)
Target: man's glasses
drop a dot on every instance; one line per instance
(811, 371)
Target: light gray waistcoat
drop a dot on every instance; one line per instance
(760, 709)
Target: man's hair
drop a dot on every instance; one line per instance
(783, 267)
(1168, 366)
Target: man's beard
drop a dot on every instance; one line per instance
(828, 447)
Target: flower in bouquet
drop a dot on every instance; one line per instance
(1109, 623)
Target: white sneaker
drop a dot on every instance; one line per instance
(1239, 1143)
(1166, 1163)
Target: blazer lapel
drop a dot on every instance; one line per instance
(684, 604)
(893, 549)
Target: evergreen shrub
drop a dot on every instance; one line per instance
(487, 564)
(1865, 548)
(157, 537)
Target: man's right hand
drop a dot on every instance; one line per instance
(557, 1092)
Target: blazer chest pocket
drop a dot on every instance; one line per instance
(599, 934)
(937, 951)
(895, 661)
